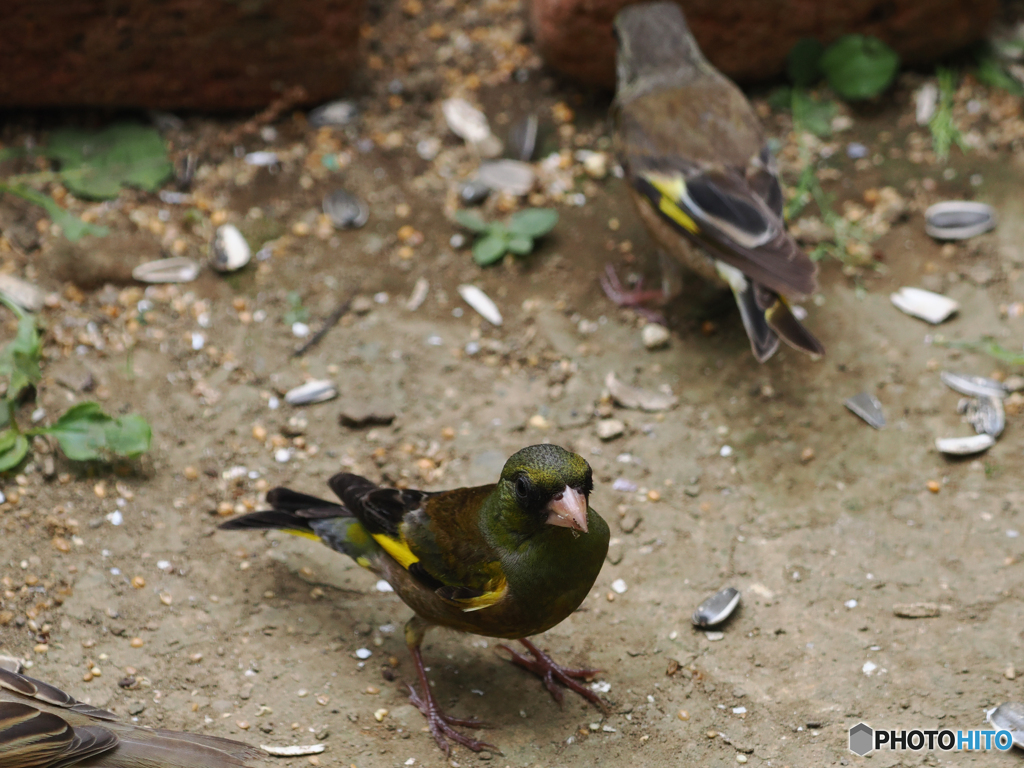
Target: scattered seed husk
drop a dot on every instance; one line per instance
(928, 306)
(470, 124)
(916, 610)
(21, 292)
(295, 750)
(481, 302)
(315, 391)
(418, 295)
(636, 397)
(964, 446)
(262, 159)
(867, 406)
(926, 100)
(512, 176)
(973, 386)
(1009, 717)
(333, 113)
(522, 138)
(345, 210)
(985, 414)
(717, 608)
(230, 251)
(474, 192)
(958, 219)
(10, 663)
(359, 419)
(466, 121)
(174, 270)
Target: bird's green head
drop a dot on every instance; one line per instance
(548, 485)
(653, 40)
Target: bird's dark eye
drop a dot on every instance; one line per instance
(523, 486)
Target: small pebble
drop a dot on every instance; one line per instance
(619, 586)
(684, 715)
(609, 429)
(654, 336)
(806, 455)
(136, 642)
(934, 486)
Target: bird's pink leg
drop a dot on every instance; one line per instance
(554, 674)
(440, 724)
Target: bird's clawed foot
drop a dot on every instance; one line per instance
(440, 724)
(553, 674)
(634, 299)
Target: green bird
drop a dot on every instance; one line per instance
(703, 178)
(506, 560)
(43, 727)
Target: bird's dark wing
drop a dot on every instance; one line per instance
(436, 537)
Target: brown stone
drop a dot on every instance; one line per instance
(176, 54)
(750, 40)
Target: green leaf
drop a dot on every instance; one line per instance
(992, 73)
(86, 433)
(72, 226)
(19, 359)
(533, 222)
(490, 249)
(96, 165)
(520, 245)
(859, 67)
(803, 66)
(810, 114)
(470, 221)
(13, 447)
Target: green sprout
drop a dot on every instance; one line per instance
(495, 239)
(84, 432)
(944, 130)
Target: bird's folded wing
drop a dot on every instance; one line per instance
(722, 212)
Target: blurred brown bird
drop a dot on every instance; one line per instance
(43, 727)
(703, 178)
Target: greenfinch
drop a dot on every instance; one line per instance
(703, 178)
(507, 560)
(43, 727)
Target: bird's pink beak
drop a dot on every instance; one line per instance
(569, 510)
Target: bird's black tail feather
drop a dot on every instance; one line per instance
(290, 511)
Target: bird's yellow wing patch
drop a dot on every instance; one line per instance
(399, 550)
(302, 533)
(670, 189)
(496, 589)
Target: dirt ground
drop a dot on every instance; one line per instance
(822, 522)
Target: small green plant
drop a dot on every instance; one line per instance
(855, 66)
(992, 62)
(986, 344)
(296, 312)
(84, 432)
(844, 232)
(944, 130)
(495, 239)
(95, 165)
